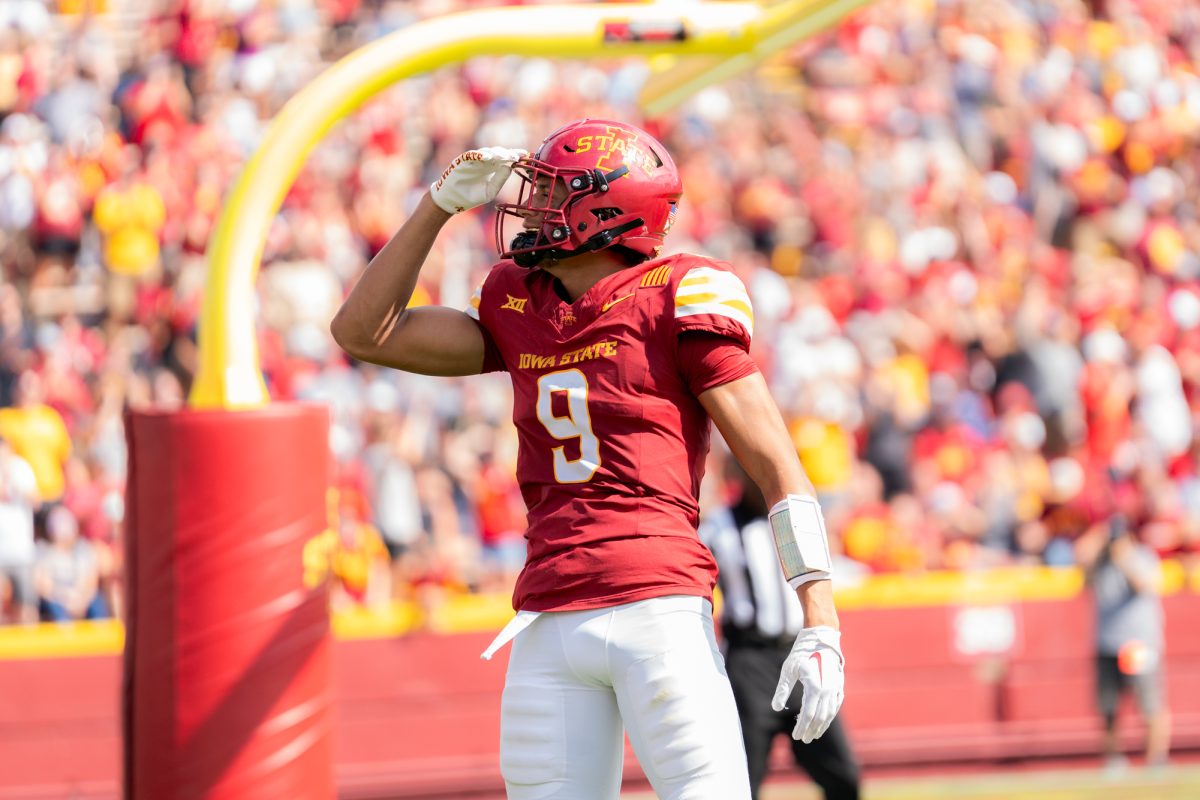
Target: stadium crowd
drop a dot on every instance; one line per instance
(969, 228)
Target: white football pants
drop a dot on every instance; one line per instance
(575, 676)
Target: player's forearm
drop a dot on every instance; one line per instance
(816, 598)
(382, 293)
(777, 479)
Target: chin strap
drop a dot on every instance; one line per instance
(598, 242)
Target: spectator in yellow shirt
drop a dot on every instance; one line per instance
(130, 213)
(38, 434)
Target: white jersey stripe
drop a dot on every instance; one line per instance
(705, 290)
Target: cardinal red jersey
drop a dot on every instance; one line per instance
(612, 442)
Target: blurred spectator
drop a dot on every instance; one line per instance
(396, 507)
(66, 573)
(16, 341)
(501, 524)
(130, 214)
(18, 497)
(38, 434)
(1123, 576)
(360, 562)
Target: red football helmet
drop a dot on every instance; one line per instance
(593, 184)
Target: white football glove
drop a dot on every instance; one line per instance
(816, 662)
(474, 178)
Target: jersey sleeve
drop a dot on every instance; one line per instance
(707, 360)
(493, 361)
(711, 299)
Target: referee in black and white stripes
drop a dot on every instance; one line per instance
(759, 622)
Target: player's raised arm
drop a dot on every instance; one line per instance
(749, 420)
(375, 324)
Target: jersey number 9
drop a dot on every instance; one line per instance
(576, 424)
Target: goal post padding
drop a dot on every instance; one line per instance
(227, 664)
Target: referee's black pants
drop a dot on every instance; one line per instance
(754, 673)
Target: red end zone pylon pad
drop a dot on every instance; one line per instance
(227, 658)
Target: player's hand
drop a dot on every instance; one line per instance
(474, 178)
(816, 662)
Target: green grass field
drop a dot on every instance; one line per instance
(1173, 783)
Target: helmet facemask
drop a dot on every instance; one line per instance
(569, 226)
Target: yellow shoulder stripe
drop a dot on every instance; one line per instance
(740, 306)
(706, 297)
(659, 276)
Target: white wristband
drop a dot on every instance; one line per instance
(798, 528)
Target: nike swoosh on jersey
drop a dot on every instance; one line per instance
(614, 301)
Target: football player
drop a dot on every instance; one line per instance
(618, 359)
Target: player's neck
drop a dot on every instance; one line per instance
(581, 273)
